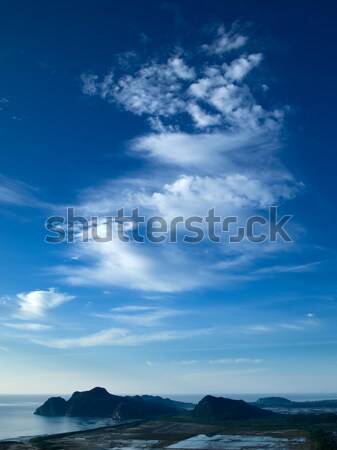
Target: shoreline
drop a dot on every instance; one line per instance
(161, 434)
(25, 439)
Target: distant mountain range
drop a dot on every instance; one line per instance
(281, 402)
(219, 408)
(98, 402)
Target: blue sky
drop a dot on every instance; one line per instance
(173, 108)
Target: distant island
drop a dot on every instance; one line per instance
(281, 402)
(98, 402)
(164, 423)
(220, 409)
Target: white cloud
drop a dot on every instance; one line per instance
(235, 361)
(240, 67)
(154, 89)
(201, 118)
(120, 337)
(260, 329)
(194, 195)
(225, 42)
(204, 151)
(14, 192)
(289, 268)
(181, 69)
(37, 303)
(28, 326)
(132, 308)
(213, 145)
(291, 326)
(242, 189)
(89, 83)
(294, 325)
(211, 93)
(162, 268)
(140, 315)
(186, 362)
(5, 299)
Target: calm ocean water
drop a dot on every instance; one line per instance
(17, 418)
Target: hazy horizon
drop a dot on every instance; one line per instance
(236, 395)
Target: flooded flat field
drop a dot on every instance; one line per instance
(238, 442)
(166, 435)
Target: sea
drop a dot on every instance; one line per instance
(17, 417)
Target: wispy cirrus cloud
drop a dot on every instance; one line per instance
(28, 326)
(213, 141)
(120, 337)
(232, 361)
(139, 267)
(15, 192)
(140, 315)
(293, 325)
(226, 41)
(186, 362)
(132, 309)
(289, 268)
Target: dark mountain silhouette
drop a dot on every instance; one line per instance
(54, 406)
(281, 402)
(98, 402)
(167, 402)
(219, 408)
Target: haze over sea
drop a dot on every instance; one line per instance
(17, 418)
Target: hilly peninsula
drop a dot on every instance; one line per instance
(98, 402)
(281, 402)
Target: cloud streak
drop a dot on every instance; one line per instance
(212, 143)
(28, 326)
(120, 337)
(226, 41)
(36, 304)
(15, 192)
(140, 315)
(232, 361)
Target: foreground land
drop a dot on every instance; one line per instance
(215, 423)
(178, 434)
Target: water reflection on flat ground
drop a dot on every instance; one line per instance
(237, 442)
